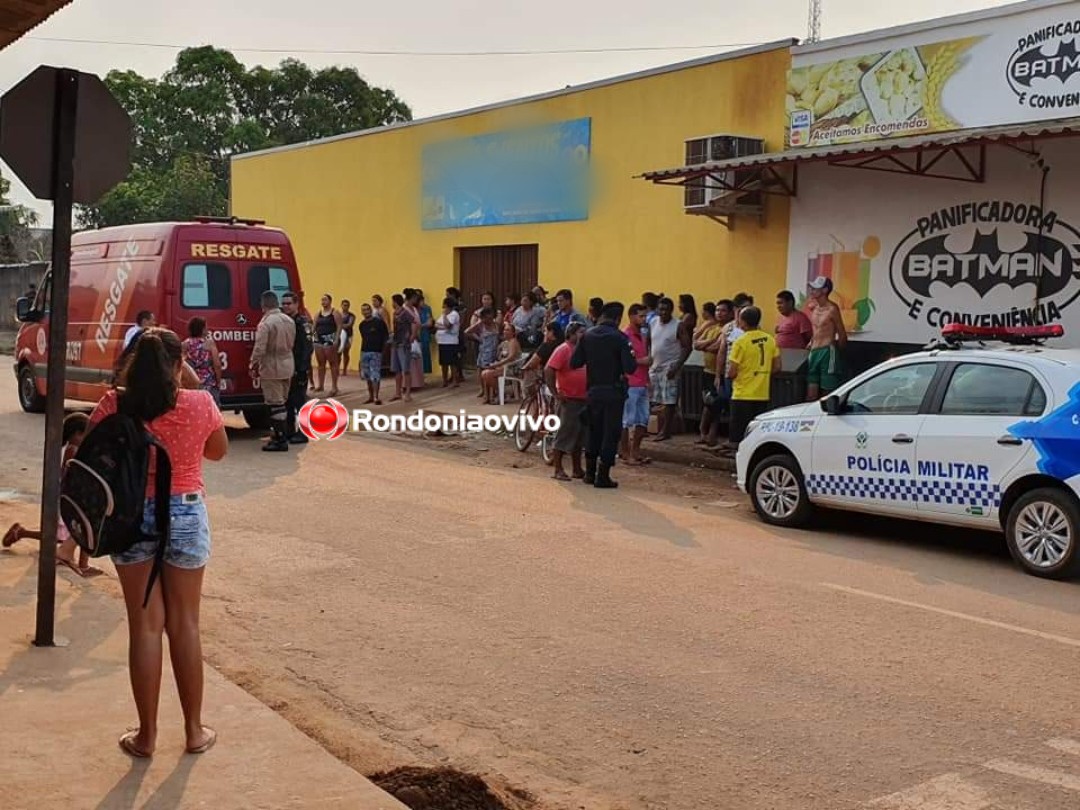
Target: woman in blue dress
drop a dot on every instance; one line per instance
(486, 333)
(427, 322)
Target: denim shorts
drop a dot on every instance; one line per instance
(636, 409)
(189, 543)
(371, 366)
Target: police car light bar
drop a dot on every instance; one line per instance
(956, 332)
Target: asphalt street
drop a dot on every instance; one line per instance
(644, 648)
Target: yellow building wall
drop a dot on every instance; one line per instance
(352, 207)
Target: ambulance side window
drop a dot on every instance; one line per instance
(262, 278)
(206, 286)
(41, 300)
(985, 390)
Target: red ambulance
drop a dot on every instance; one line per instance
(213, 268)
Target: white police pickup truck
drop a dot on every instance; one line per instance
(967, 432)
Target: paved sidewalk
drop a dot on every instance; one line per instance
(62, 710)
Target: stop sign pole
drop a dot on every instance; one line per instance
(65, 136)
(67, 105)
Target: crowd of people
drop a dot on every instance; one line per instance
(518, 339)
(523, 339)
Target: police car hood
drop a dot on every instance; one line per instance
(794, 411)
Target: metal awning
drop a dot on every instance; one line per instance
(19, 16)
(925, 155)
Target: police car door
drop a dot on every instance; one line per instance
(965, 450)
(864, 457)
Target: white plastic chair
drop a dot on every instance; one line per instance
(517, 383)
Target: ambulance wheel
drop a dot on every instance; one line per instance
(1043, 533)
(257, 418)
(778, 492)
(29, 398)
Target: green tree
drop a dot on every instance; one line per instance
(209, 107)
(15, 224)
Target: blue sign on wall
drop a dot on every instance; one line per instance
(538, 174)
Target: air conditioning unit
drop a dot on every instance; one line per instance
(722, 190)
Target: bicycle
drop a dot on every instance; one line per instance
(540, 404)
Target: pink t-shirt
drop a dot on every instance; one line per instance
(640, 378)
(571, 383)
(794, 331)
(183, 432)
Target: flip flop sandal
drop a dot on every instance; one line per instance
(127, 744)
(562, 477)
(11, 537)
(206, 746)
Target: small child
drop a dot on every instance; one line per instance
(75, 427)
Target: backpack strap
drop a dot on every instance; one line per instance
(162, 519)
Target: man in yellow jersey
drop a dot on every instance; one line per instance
(752, 361)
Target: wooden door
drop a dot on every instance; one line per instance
(502, 270)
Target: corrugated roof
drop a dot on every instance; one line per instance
(19, 16)
(1013, 132)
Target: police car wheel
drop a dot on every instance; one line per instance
(29, 398)
(778, 492)
(1042, 534)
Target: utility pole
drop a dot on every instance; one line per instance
(814, 28)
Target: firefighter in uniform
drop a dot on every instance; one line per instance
(272, 364)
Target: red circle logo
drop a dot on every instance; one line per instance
(323, 420)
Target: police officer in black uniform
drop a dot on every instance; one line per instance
(302, 350)
(607, 357)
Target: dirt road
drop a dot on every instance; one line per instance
(637, 649)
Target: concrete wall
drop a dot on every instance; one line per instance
(14, 279)
(352, 206)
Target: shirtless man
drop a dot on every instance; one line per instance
(830, 337)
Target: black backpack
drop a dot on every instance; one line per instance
(102, 497)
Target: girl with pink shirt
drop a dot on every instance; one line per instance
(190, 427)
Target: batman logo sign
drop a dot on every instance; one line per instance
(983, 266)
(1033, 63)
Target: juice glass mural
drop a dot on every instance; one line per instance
(850, 274)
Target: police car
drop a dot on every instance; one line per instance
(981, 429)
